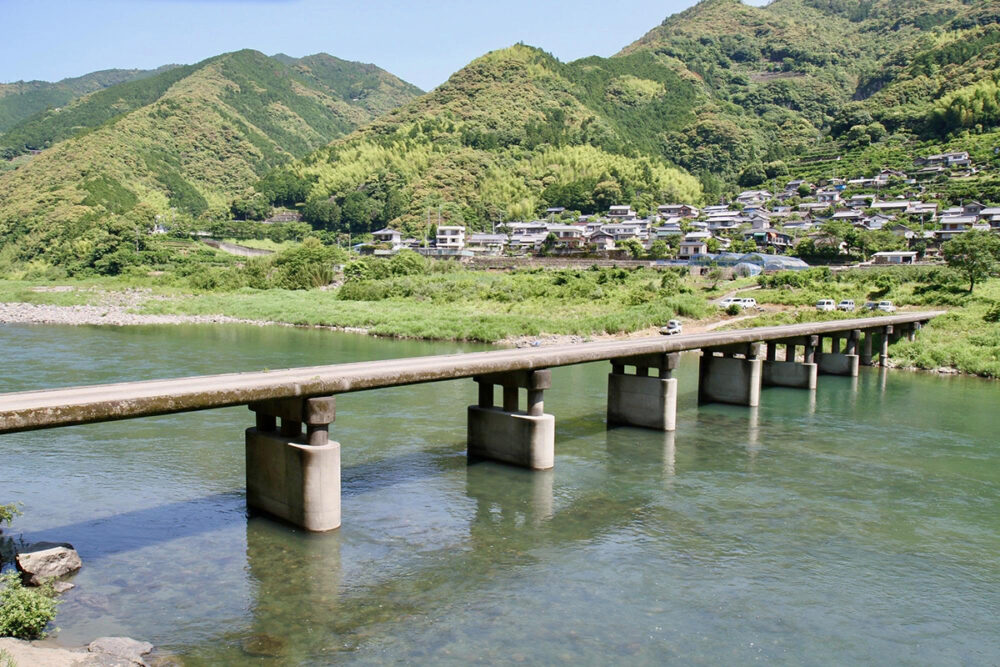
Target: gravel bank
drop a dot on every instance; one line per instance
(111, 315)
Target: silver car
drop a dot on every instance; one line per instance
(673, 327)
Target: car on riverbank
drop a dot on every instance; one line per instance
(673, 327)
(740, 302)
(847, 305)
(826, 305)
(882, 306)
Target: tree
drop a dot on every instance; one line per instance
(753, 174)
(659, 250)
(974, 254)
(549, 243)
(714, 276)
(322, 214)
(804, 190)
(632, 247)
(253, 207)
(356, 212)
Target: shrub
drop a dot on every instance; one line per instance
(8, 512)
(733, 309)
(992, 313)
(24, 612)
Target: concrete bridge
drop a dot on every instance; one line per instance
(293, 468)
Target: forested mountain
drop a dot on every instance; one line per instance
(22, 99)
(189, 138)
(732, 93)
(514, 131)
(780, 80)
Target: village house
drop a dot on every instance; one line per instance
(957, 159)
(828, 196)
(486, 244)
(568, 237)
(972, 208)
(621, 232)
(389, 236)
(695, 243)
(770, 239)
(754, 197)
(621, 212)
(601, 241)
(892, 206)
(991, 217)
(451, 237)
(953, 225)
(677, 210)
(849, 215)
(895, 257)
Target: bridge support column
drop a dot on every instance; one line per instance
(883, 357)
(836, 362)
(866, 358)
(507, 434)
(640, 400)
(729, 378)
(791, 373)
(292, 475)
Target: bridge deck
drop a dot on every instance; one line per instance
(23, 411)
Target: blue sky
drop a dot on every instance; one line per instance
(423, 42)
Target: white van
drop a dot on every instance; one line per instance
(847, 305)
(826, 305)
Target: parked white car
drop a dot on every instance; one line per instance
(826, 305)
(738, 301)
(847, 305)
(885, 307)
(673, 327)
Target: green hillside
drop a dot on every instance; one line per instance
(190, 139)
(511, 133)
(784, 80)
(23, 99)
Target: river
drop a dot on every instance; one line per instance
(857, 524)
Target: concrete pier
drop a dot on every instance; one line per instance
(866, 357)
(292, 475)
(841, 361)
(733, 377)
(641, 400)
(523, 438)
(790, 372)
(883, 357)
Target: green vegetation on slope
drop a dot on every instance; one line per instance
(189, 139)
(23, 99)
(512, 133)
(814, 75)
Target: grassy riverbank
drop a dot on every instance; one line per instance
(460, 304)
(470, 305)
(967, 338)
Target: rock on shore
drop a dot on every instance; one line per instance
(46, 561)
(103, 652)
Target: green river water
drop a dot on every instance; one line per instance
(856, 524)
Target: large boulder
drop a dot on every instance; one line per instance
(45, 561)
